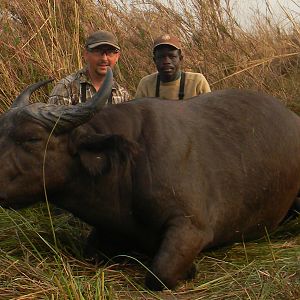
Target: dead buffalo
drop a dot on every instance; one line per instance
(169, 178)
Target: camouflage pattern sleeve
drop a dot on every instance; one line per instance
(120, 94)
(126, 95)
(61, 93)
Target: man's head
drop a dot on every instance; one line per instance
(101, 50)
(167, 56)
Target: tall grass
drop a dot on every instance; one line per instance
(43, 38)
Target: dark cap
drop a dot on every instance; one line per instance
(101, 37)
(167, 39)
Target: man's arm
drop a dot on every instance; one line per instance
(203, 86)
(120, 94)
(60, 94)
(140, 93)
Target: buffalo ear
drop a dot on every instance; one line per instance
(100, 153)
(95, 163)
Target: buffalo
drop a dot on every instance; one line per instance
(166, 178)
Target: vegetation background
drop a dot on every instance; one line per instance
(40, 39)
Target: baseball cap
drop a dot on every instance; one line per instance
(167, 39)
(101, 37)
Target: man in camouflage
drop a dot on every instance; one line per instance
(101, 50)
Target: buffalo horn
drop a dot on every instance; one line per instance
(67, 117)
(23, 98)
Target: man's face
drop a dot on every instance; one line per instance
(167, 60)
(99, 58)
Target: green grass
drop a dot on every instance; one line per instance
(32, 267)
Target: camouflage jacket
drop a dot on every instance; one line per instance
(70, 90)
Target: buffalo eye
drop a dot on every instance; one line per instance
(33, 140)
(28, 136)
(30, 143)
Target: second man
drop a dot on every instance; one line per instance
(170, 82)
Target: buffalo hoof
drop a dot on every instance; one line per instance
(191, 273)
(154, 283)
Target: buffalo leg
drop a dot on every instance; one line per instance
(180, 245)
